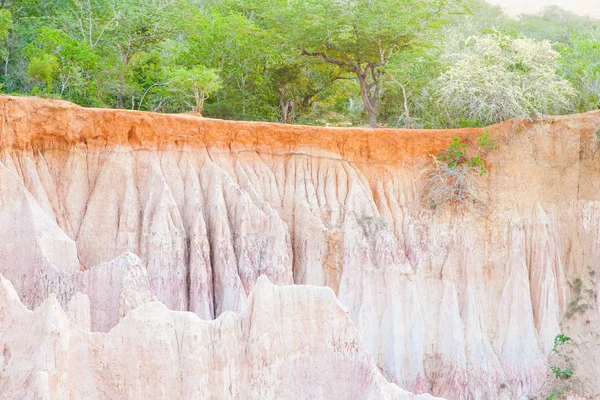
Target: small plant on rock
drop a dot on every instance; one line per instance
(556, 394)
(562, 370)
(559, 340)
(453, 179)
(562, 373)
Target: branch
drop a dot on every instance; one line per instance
(587, 86)
(306, 99)
(406, 110)
(354, 64)
(146, 92)
(325, 57)
(159, 105)
(162, 6)
(104, 30)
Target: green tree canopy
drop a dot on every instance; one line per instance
(41, 68)
(359, 36)
(332, 62)
(581, 65)
(198, 82)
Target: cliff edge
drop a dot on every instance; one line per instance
(111, 213)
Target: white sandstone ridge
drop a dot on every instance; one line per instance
(289, 342)
(127, 207)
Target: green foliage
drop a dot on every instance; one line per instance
(222, 110)
(454, 154)
(74, 61)
(470, 123)
(453, 178)
(146, 69)
(561, 373)
(42, 68)
(559, 340)
(6, 23)
(557, 394)
(198, 83)
(359, 37)
(457, 154)
(407, 76)
(581, 66)
(325, 62)
(554, 25)
(243, 52)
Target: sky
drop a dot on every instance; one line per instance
(582, 7)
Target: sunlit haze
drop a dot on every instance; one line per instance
(581, 7)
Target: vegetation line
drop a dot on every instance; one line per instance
(394, 63)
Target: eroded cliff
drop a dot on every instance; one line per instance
(456, 304)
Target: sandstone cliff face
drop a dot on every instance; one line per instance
(292, 342)
(456, 304)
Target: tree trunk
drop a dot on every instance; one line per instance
(120, 103)
(367, 100)
(126, 58)
(199, 96)
(197, 99)
(6, 63)
(406, 109)
(284, 106)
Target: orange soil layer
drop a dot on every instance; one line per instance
(32, 123)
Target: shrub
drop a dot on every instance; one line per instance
(559, 340)
(494, 77)
(453, 179)
(562, 373)
(556, 394)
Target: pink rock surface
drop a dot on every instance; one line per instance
(457, 304)
(289, 342)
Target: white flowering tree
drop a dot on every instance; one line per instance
(494, 77)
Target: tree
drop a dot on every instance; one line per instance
(120, 29)
(6, 24)
(42, 68)
(199, 81)
(243, 53)
(554, 24)
(494, 77)
(299, 85)
(407, 75)
(581, 65)
(74, 58)
(338, 62)
(148, 79)
(141, 25)
(359, 36)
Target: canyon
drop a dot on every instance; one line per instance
(171, 256)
